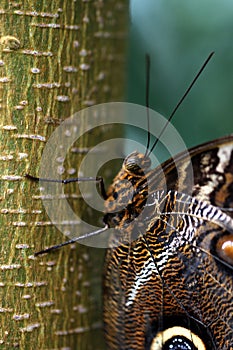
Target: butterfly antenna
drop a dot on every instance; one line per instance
(147, 61)
(181, 100)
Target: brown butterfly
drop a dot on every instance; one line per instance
(169, 273)
(169, 282)
(170, 286)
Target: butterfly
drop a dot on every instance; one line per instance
(170, 286)
(168, 272)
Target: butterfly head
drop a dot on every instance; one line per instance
(137, 163)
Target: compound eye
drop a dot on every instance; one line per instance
(137, 163)
(224, 248)
(132, 165)
(177, 338)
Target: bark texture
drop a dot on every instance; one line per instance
(56, 57)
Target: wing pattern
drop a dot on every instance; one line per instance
(169, 272)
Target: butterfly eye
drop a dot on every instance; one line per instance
(224, 248)
(137, 163)
(177, 338)
(132, 165)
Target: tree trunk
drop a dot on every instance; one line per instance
(56, 58)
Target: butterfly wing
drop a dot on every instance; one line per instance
(206, 171)
(173, 279)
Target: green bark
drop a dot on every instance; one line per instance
(56, 57)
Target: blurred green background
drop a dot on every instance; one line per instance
(178, 36)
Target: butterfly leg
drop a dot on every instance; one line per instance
(99, 180)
